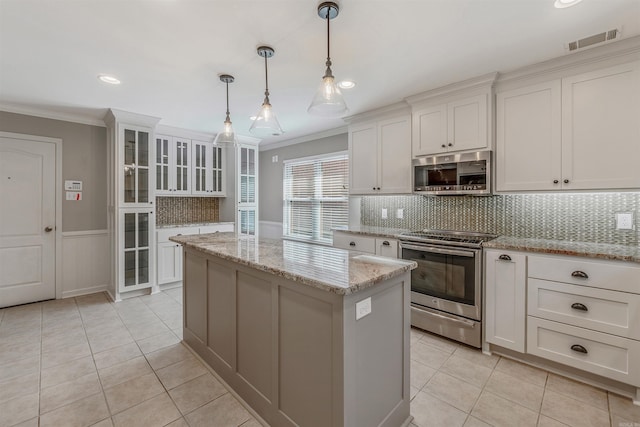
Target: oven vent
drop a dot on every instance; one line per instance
(593, 40)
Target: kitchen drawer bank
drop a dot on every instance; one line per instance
(574, 315)
(277, 321)
(374, 240)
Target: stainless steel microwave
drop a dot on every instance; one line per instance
(450, 174)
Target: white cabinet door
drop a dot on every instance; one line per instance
(394, 141)
(136, 181)
(137, 249)
(181, 164)
(505, 298)
(363, 159)
(247, 190)
(467, 124)
(601, 129)
(528, 134)
(163, 165)
(216, 186)
(430, 130)
(201, 155)
(169, 262)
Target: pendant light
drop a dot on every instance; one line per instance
(227, 136)
(266, 124)
(328, 100)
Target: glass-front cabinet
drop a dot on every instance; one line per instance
(135, 168)
(173, 166)
(208, 169)
(136, 249)
(247, 220)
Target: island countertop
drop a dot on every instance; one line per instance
(331, 269)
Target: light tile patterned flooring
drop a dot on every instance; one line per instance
(86, 361)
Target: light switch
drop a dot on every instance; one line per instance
(363, 308)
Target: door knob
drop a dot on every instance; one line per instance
(48, 229)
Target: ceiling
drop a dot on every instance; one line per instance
(168, 53)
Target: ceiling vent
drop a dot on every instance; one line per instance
(593, 40)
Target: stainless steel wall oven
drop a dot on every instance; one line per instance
(446, 287)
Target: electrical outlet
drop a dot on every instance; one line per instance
(363, 308)
(384, 213)
(274, 159)
(624, 221)
(400, 213)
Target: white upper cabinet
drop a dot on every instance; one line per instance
(173, 166)
(380, 156)
(207, 172)
(456, 126)
(579, 132)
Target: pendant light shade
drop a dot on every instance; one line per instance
(266, 123)
(227, 136)
(328, 100)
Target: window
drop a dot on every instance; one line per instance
(316, 197)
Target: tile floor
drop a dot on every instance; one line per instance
(85, 361)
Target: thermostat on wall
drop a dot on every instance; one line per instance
(73, 185)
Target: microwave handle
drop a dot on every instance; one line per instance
(443, 251)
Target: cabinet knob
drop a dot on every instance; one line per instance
(566, 181)
(450, 144)
(48, 229)
(386, 243)
(352, 243)
(504, 257)
(579, 306)
(444, 146)
(378, 188)
(555, 181)
(580, 274)
(374, 188)
(579, 349)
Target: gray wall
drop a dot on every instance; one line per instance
(84, 158)
(270, 181)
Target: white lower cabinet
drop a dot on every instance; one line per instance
(369, 244)
(505, 293)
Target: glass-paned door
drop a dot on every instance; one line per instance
(201, 151)
(181, 167)
(136, 250)
(135, 169)
(162, 165)
(247, 220)
(217, 171)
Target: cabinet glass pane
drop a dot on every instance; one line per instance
(251, 191)
(247, 221)
(143, 148)
(185, 158)
(178, 178)
(204, 156)
(158, 150)
(197, 159)
(129, 184)
(129, 147)
(215, 181)
(129, 230)
(215, 157)
(252, 162)
(244, 189)
(143, 230)
(219, 188)
(219, 158)
(143, 266)
(184, 179)
(143, 183)
(243, 161)
(130, 268)
(197, 179)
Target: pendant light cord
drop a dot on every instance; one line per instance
(227, 100)
(266, 80)
(328, 72)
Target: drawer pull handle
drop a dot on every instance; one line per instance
(579, 306)
(352, 243)
(505, 257)
(580, 274)
(579, 348)
(386, 243)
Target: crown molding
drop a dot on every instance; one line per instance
(52, 114)
(484, 82)
(114, 115)
(311, 137)
(184, 133)
(399, 107)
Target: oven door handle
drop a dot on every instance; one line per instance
(466, 323)
(444, 251)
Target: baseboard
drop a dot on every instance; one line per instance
(85, 291)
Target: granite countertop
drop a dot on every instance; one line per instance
(331, 269)
(191, 224)
(370, 230)
(563, 247)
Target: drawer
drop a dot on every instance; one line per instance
(217, 228)
(354, 243)
(164, 233)
(614, 275)
(387, 247)
(606, 355)
(602, 310)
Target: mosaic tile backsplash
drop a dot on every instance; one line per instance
(573, 217)
(187, 210)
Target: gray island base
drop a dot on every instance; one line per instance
(276, 320)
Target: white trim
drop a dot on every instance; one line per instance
(317, 157)
(58, 202)
(311, 137)
(85, 291)
(388, 111)
(455, 89)
(51, 114)
(84, 233)
(141, 120)
(184, 133)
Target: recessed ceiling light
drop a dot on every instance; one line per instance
(106, 78)
(346, 84)
(253, 118)
(561, 4)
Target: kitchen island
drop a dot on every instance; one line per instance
(307, 335)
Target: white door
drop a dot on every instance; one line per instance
(27, 221)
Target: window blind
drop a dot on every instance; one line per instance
(316, 196)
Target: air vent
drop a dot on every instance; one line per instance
(593, 40)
